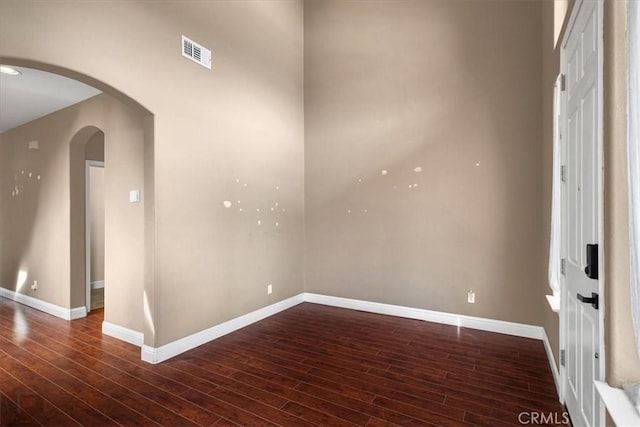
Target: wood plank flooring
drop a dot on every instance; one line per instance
(309, 365)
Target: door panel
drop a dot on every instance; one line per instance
(588, 392)
(573, 226)
(572, 346)
(589, 170)
(590, 38)
(580, 121)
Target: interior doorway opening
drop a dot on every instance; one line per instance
(94, 232)
(87, 169)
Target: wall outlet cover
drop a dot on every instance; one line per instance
(471, 297)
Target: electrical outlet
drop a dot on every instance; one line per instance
(269, 289)
(471, 297)
(34, 287)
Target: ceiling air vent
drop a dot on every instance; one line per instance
(196, 52)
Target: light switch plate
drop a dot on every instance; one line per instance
(134, 196)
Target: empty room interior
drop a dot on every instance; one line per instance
(320, 212)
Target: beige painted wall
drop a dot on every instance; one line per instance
(452, 87)
(38, 222)
(96, 208)
(32, 218)
(94, 150)
(623, 364)
(242, 121)
(458, 85)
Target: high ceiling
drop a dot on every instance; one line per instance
(35, 93)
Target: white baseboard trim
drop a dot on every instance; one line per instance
(499, 326)
(125, 334)
(160, 354)
(165, 352)
(553, 364)
(78, 313)
(491, 325)
(97, 285)
(47, 307)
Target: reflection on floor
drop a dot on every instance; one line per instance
(97, 298)
(307, 366)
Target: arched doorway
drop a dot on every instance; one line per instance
(86, 150)
(127, 130)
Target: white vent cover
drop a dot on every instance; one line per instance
(196, 52)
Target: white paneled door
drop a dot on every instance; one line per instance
(581, 130)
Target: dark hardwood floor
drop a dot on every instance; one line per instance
(309, 365)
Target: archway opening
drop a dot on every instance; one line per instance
(125, 129)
